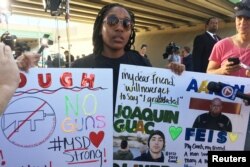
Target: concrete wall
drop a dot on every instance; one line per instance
(157, 41)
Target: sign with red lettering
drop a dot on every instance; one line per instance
(58, 118)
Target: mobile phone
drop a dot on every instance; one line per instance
(235, 60)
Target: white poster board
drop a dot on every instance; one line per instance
(59, 118)
(151, 99)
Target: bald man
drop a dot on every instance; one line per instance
(214, 119)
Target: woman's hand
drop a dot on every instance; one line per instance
(9, 73)
(229, 67)
(28, 60)
(248, 73)
(176, 67)
(9, 76)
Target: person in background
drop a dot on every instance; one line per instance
(203, 45)
(156, 144)
(9, 72)
(214, 119)
(124, 152)
(237, 46)
(187, 59)
(113, 37)
(58, 61)
(143, 52)
(172, 53)
(49, 62)
(68, 61)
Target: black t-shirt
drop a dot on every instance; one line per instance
(148, 158)
(100, 61)
(188, 62)
(206, 121)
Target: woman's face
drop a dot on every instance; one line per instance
(116, 33)
(144, 50)
(243, 25)
(156, 144)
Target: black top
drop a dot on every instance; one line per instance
(220, 123)
(147, 59)
(147, 157)
(188, 62)
(100, 61)
(72, 59)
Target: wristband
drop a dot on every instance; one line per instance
(245, 66)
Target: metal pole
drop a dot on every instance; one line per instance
(58, 41)
(7, 21)
(67, 29)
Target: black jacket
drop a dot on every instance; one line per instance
(202, 48)
(220, 123)
(148, 157)
(188, 62)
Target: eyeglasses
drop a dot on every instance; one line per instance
(113, 21)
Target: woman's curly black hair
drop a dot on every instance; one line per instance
(97, 36)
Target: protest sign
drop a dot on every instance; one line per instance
(153, 99)
(59, 118)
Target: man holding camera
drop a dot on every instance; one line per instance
(172, 54)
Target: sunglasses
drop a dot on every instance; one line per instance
(113, 21)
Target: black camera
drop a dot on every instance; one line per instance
(20, 47)
(170, 49)
(235, 60)
(9, 40)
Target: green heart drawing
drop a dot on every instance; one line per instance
(175, 132)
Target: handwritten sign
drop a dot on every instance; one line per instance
(150, 100)
(58, 117)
